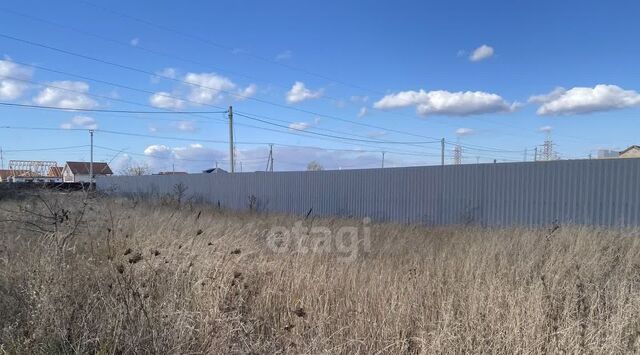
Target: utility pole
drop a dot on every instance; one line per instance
(270, 159)
(91, 162)
(442, 152)
(535, 153)
(525, 154)
(383, 153)
(231, 153)
(271, 151)
(1, 159)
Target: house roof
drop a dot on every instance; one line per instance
(82, 168)
(214, 171)
(6, 173)
(629, 148)
(173, 173)
(55, 171)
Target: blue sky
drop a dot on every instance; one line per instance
(495, 76)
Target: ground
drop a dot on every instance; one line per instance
(83, 273)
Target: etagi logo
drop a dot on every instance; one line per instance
(345, 242)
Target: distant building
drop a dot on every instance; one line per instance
(11, 175)
(173, 173)
(215, 171)
(75, 171)
(55, 171)
(631, 152)
(5, 174)
(607, 154)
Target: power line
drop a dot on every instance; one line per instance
(44, 149)
(233, 50)
(105, 110)
(143, 71)
(168, 111)
(212, 141)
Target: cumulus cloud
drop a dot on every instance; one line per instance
(442, 102)
(165, 100)
(80, 122)
(192, 158)
(299, 93)
(362, 112)
(210, 88)
(247, 92)
(481, 53)
(166, 73)
(11, 74)
(200, 89)
(134, 41)
(66, 94)
(545, 129)
(583, 100)
(285, 55)
(299, 126)
(464, 132)
(186, 126)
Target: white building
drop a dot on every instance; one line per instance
(75, 171)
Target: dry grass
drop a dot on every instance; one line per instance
(120, 276)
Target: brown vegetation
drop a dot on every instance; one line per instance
(105, 275)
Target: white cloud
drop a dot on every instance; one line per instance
(363, 112)
(359, 99)
(134, 41)
(442, 102)
(376, 134)
(186, 126)
(545, 129)
(166, 73)
(464, 132)
(299, 126)
(553, 95)
(285, 55)
(165, 100)
(583, 100)
(208, 88)
(80, 122)
(199, 89)
(192, 158)
(66, 94)
(299, 93)
(247, 92)
(11, 74)
(481, 53)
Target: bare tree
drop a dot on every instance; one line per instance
(314, 166)
(136, 170)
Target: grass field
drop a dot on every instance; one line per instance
(103, 275)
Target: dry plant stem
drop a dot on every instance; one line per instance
(134, 276)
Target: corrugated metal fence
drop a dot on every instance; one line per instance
(593, 192)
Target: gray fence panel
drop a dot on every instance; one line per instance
(594, 192)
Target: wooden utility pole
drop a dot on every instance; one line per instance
(383, 153)
(231, 153)
(91, 162)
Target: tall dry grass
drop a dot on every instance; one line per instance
(122, 276)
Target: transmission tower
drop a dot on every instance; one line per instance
(548, 153)
(457, 155)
